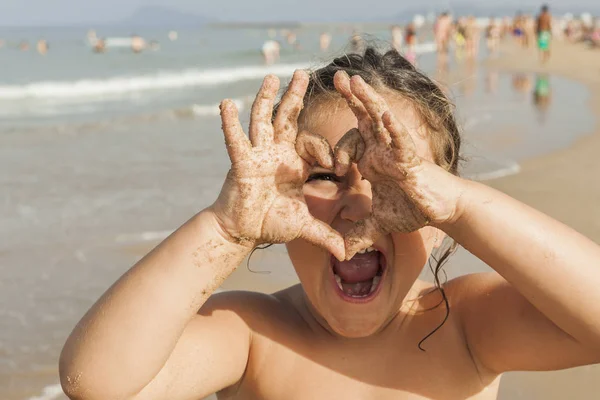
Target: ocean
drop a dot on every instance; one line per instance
(100, 152)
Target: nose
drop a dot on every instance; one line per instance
(357, 201)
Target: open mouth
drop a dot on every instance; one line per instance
(358, 280)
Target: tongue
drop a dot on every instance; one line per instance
(357, 289)
(361, 268)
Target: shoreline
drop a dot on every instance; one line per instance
(556, 183)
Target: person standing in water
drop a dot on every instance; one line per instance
(324, 41)
(543, 30)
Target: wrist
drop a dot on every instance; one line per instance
(460, 189)
(211, 215)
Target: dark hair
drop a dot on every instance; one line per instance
(545, 8)
(391, 72)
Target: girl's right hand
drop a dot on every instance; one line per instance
(262, 200)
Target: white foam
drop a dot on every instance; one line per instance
(49, 393)
(125, 85)
(509, 170)
(146, 236)
(210, 110)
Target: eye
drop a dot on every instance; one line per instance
(323, 176)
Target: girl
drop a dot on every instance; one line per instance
(360, 222)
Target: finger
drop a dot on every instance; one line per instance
(323, 235)
(235, 139)
(363, 235)
(286, 120)
(341, 81)
(374, 105)
(349, 149)
(261, 129)
(400, 137)
(314, 148)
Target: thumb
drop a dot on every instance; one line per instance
(349, 149)
(322, 235)
(363, 235)
(314, 148)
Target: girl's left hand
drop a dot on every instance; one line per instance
(408, 191)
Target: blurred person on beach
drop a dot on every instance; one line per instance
(138, 44)
(543, 29)
(460, 37)
(270, 51)
(356, 171)
(492, 36)
(410, 35)
(518, 29)
(442, 30)
(397, 37)
(324, 41)
(472, 37)
(24, 46)
(42, 47)
(530, 34)
(356, 42)
(99, 46)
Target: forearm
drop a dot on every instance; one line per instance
(554, 267)
(127, 336)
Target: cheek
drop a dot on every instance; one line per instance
(411, 250)
(322, 201)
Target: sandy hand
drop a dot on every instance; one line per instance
(262, 200)
(405, 194)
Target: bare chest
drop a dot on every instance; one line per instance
(320, 370)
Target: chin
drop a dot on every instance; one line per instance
(355, 327)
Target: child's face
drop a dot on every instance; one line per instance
(341, 201)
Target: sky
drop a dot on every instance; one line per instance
(68, 12)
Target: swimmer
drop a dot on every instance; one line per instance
(137, 44)
(99, 46)
(270, 51)
(24, 46)
(324, 41)
(361, 183)
(42, 47)
(543, 28)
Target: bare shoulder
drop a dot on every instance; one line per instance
(254, 308)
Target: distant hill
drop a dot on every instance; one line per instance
(162, 17)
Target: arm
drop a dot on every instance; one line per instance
(545, 313)
(145, 339)
(145, 325)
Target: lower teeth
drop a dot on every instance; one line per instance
(375, 281)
